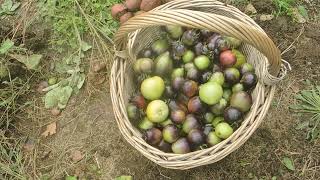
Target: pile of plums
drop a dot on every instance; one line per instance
(194, 89)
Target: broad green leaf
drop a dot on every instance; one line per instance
(85, 46)
(274, 178)
(81, 81)
(64, 96)
(71, 178)
(6, 46)
(303, 11)
(61, 67)
(288, 163)
(51, 99)
(124, 178)
(58, 97)
(31, 62)
(6, 5)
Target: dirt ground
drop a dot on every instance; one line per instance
(88, 125)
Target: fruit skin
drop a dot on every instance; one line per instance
(152, 88)
(174, 31)
(213, 139)
(124, 18)
(160, 46)
(132, 4)
(181, 146)
(189, 66)
(143, 65)
(205, 77)
(241, 100)
(207, 129)
(147, 5)
(227, 94)
(223, 130)
(166, 122)
(210, 93)
(177, 83)
(146, 53)
(174, 105)
(178, 49)
(190, 37)
(217, 77)
(118, 10)
(232, 115)
(170, 133)
(169, 92)
(227, 59)
(217, 120)
(246, 67)
(190, 123)
(249, 80)
(193, 74)
(208, 117)
(188, 56)
(196, 138)
(195, 105)
(157, 111)
(237, 87)
(190, 88)
(139, 101)
(145, 124)
(241, 59)
(233, 42)
(163, 65)
(152, 136)
(178, 116)
(202, 62)
(232, 76)
(132, 111)
(218, 108)
(178, 72)
(164, 146)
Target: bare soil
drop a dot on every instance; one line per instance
(88, 125)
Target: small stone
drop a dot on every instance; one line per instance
(266, 17)
(250, 9)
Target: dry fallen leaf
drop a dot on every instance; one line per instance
(76, 156)
(51, 129)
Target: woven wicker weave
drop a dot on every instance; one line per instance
(139, 32)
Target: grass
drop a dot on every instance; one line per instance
(11, 160)
(284, 7)
(309, 104)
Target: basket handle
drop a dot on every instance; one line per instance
(201, 20)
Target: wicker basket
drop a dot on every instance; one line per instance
(139, 32)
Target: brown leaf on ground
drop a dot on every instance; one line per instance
(76, 156)
(51, 129)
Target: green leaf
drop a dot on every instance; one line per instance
(81, 81)
(64, 96)
(303, 11)
(6, 5)
(274, 178)
(85, 46)
(58, 97)
(31, 62)
(124, 178)
(288, 163)
(6, 46)
(15, 7)
(71, 178)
